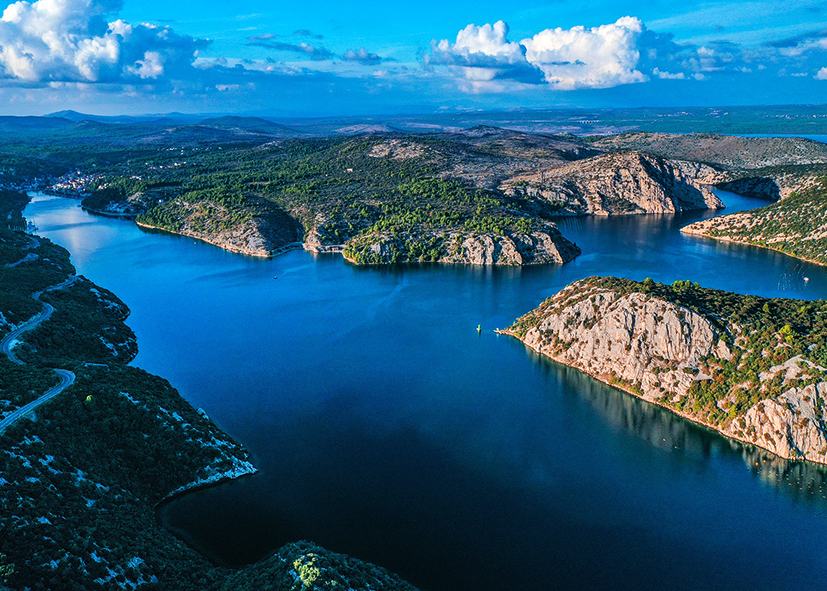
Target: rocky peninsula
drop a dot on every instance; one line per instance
(796, 225)
(751, 368)
(481, 196)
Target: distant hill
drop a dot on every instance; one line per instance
(250, 124)
(166, 118)
(8, 124)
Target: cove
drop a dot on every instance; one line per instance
(386, 428)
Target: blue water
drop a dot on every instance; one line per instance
(385, 427)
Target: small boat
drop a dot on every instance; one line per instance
(479, 328)
(806, 279)
(275, 277)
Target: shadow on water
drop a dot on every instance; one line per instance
(804, 482)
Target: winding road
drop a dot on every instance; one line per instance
(67, 378)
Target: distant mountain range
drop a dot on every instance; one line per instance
(772, 120)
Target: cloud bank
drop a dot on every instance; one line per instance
(58, 47)
(482, 58)
(566, 59)
(73, 41)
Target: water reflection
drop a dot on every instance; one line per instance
(664, 430)
(803, 481)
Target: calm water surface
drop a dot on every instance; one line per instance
(385, 427)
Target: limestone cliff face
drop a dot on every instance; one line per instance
(772, 186)
(761, 187)
(542, 246)
(655, 349)
(537, 248)
(622, 183)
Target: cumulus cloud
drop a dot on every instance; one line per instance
(821, 74)
(565, 59)
(668, 75)
(484, 54)
(580, 57)
(483, 58)
(73, 41)
(364, 57)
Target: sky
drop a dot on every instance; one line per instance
(331, 58)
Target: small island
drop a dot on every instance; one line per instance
(753, 369)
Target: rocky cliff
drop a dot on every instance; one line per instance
(543, 245)
(622, 183)
(741, 365)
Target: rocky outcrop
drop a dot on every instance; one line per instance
(241, 231)
(658, 350)
(622, 183)
(542, 246)
(537, 248)
(244, 239)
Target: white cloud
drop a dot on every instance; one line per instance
(483, 54)
(668, 75)
(564, 59)
(490, 40)
(821, 74)
(73, 41)
(580, 57)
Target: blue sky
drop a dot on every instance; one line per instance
(358, 58)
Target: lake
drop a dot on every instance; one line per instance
(386, 427)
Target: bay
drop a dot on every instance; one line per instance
(386, 428)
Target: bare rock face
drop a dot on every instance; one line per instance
(545, 245)
(623, 183)
(656, 349)
(761, 187)
(634, 338)
(536, 248)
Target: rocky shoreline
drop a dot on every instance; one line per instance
(701, 230)
(671, 355)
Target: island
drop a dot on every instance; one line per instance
(751, 368)
(90, 445)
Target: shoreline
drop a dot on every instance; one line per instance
(109, 214)
(685, 230)
(228, 248)
(692, 419)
